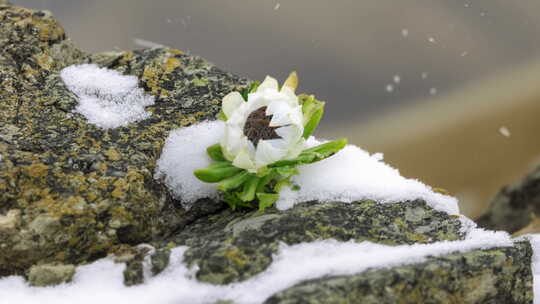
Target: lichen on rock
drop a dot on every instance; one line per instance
(480, 276)
(50, 274)
(233, 246)
(80, 189)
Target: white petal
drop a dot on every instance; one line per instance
(292, 81)
(257, 100)
(268, 153)
(292, 99)
(268, 83)
(296, 149)
(233, 141)
(277, 107)
(280, 119)
(296, 116)
(239, 116)
(231, 102)
(243, 160)
(250, 146)
(290, 133)
(278, 143)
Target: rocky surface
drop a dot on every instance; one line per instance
(515, 206)
(230, 246)
(479, 276)
(50, 274)
(72, 192)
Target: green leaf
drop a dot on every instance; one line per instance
(301, 159)
(313, 111)
(327, 149)
(216, 153)
(234, 181)
(245, 204)
(250, 186)
(264, 171)
(312, 155)
(312, 123)
(252, 88)
(264, 181)
(231, 199)
(286, 171)
(266, 200)
(221, 115)
(216, 172)
(282, 183)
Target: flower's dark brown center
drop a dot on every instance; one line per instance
(257, 126)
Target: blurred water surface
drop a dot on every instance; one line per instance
(390, 70)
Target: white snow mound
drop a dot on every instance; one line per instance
(107, 98)
(350, 175)
(535, 243)
(183, 153)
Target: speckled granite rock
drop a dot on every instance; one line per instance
(232, 246)
(71, 191)
(480, 276)
(515, 205)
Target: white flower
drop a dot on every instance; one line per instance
(265, 129)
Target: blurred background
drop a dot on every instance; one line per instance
(449, 91)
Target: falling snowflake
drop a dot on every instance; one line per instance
(504, 131)
(405, 33)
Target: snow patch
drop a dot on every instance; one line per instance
(101, 281)
(353, 174)
(107, 98)
(350, 175)
(183, 153)
(535, 243)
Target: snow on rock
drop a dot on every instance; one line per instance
(353, 174)
(101, 281)
(350, 175)
(535, 243)
(107, 98)
(183, 153)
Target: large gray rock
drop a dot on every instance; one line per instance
(515, 205)
(70, 191)
(233, 246)
(479, 276)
